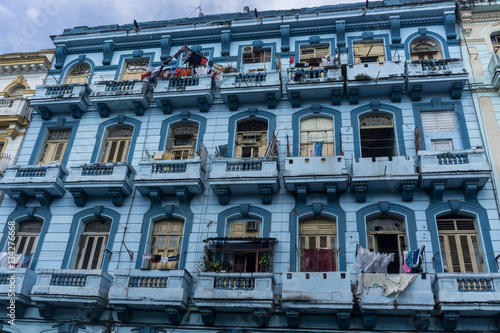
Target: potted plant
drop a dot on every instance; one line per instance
(363, 77)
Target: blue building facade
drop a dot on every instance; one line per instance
(237, 197)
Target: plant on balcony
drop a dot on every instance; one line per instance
(363, 77)
(264, 261)
(209, 265)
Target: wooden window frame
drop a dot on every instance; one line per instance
(156, 245)
(135, 73)
(259, 56)
(113, 145)
(182, 152)
(445, 236)
(369, 55)
(318, 52)
(88, 245)
(305, 238)
(76, 77)
(54, 148)
(328, 146)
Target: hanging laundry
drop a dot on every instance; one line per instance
(371, 262)
(167, 259)
(27, 260)
(146, 256)
(318, 148)
(310, 152)
(155, 258)
(326, 61)
(292, 60)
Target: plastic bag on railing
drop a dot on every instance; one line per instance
(371, 262)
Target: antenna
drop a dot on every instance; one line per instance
(200, 7)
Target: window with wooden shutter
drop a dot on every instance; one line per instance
(313, 54)
(135, 68)
(251, 138)
(182, 141)
(317, 129)
(317, 243)
(79, 74)
(438, 121)
(117, 144)
(55, 146)
(92, 246)
(460, 249)
(166, 241)
(368, 52)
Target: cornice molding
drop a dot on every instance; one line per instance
(485, 17)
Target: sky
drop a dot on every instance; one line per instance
(26, 25)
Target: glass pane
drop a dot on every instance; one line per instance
(98, 253)
(312, 242)
(161, 242)
(466, 254)
(443, 251)
(477, 254)
(88, 252)
(172, 244)
(455, 261)
(322, 242)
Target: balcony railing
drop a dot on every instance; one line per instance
(231, 282)
(23, 283)
(456, 160)
(494, 70)
(467, 292)
(244, 165)
(68, 280)
(150, 289)
(314, 75)
(17, 106)
(435, 67)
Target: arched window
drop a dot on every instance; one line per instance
(425, 49)
(377, 136)
(495, 42)
(251, 138)
(16, 90)
(55, 145)
(459, 244)
(79, 74)
(182, 141)
(166, 242)
(316, 137)
(117, 144)
(318, 244)
(27, 235)
(387, 235)
(92, 246)
(135, 68)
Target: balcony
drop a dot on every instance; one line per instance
(61, 98)
(251, 87)
(494, 69)
(24, 279)
(383, 174)
(315, 174)
(100, 180)
(416, 300)
(458, 169)
(245, 176)
(375, 79)
(135, 289)
(85, 290)
(313, 293)
(111, 95)
(187, 91)
(235, 292)
(315, 84)
(183, 178)
(466, 295)
(43, 182)
(437, 76)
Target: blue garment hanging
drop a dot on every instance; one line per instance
(318, 148)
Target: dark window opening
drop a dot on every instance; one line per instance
(378, 142)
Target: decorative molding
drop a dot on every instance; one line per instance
(108, 49)
(293, 318)
(395, 29)
(60, 56)
(285, 38)
(174, 315)
(225, 42)
(340, 31)
(123, 312)
(450, 321)
(343, 319)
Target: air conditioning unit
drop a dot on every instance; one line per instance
(247, 51)
(252, 225)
